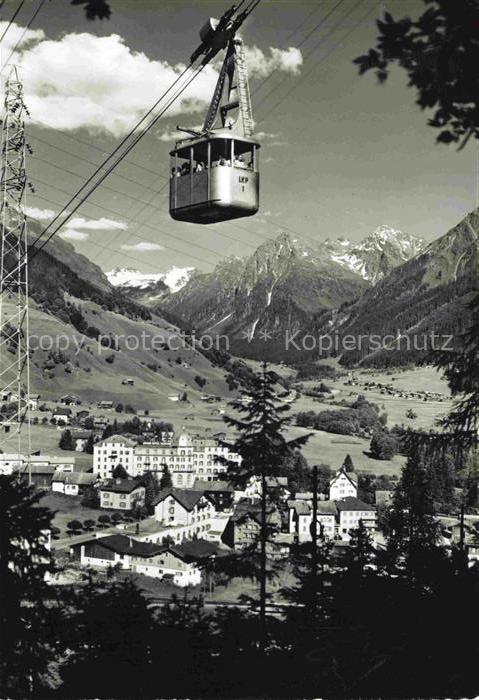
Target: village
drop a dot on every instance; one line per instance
(136, 495)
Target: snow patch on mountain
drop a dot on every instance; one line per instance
(175, 278)
(375, 256)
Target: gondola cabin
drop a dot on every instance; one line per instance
(214, 178)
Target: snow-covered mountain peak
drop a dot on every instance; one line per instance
(175, 278)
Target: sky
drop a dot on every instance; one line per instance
(340, 154)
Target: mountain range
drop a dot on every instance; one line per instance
(287, 287)
(390, 283)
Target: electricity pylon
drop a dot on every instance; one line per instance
(14, 329)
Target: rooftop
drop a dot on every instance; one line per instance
(80, 478)
(118, 439)
(187, 498)
(201, 485)
(120, 485)
(351, 503)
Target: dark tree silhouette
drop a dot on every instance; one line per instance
(166, 481)
(120, 472)
(262, 447)
(27, 602)
(439, 52)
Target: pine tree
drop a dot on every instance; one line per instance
(361, 551)
(66, 441)
(27, 602)
(152, 489)
(262, 447)
(166, 481)
(120, 472)
(348, 464)
(89, 447)
(411, 529)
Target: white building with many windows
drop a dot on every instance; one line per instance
(343, 485)
(111, 452)
(187, 458)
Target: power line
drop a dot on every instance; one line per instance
(309, 54)
(22, 2)
(124, 141)
(108, 248)
(315, 28)
(140, 201)
(32, 19)
(156, 229)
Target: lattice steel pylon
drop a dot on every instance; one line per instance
(14, 321)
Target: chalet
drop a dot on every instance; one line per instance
(122, 494)
(80, 440)
(62, 415)
(81, 415)
(42, 467)
(243, 527)
(72, 484)
(70, 400)
(105, 405)
(183, 507)
(343, 485)
(220, 493)
(253, 490)
(179, 564)
(128, 381)
(350, 512)
(301, 518)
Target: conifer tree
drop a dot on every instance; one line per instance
(27, 602)
(166, 481)
(262, 446)
(66, 441)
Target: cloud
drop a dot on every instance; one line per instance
(14, 35)
(102, 224)
(260, 65)
(74, 235)
(142, 247)
(97, 82)
(39, 214)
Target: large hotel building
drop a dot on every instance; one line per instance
(188, 458)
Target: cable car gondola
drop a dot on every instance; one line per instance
(215, 172)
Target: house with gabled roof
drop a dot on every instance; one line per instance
(73, 483)
(122, 494)
(179, 564)
(62, 415)
(352, 511)
(343, 485)
(183, 507)
(301, 518)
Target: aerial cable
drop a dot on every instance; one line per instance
(22, 2)
(121, 144)
(32, 19)
(108, 248)
(314, 48)
(325, 57)
(111, 168)
(303, 40)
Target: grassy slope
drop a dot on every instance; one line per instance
(93, 378)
